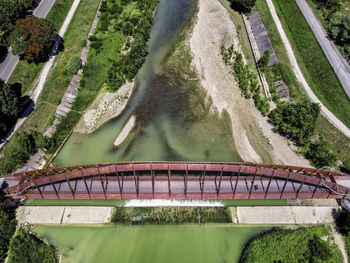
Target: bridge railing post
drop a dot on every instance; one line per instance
(218, 192)
(203, 180)
(238, 175)
(251, 187)
(120, 188)
(69, 185)
(268, 185)
(169, 189)
(85, 183)
(99, 176)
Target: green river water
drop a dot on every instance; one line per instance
(166, 127)
(149, 244)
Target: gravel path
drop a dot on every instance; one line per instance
(325, 112)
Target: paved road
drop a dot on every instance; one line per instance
(9, 63)
(339, 64)
(325, 112)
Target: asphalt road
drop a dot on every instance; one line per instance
(339, 64)
(10, 61)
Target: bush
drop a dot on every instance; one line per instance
(73, 65)
(26, 247)
(264, 61)
(297, 121)
(292, 246)
(7, 227)
(320, 154)
(242, 6)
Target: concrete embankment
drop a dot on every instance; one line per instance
(241, 215)
(284, 214)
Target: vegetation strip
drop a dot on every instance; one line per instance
(312, 60)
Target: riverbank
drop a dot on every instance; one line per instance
(253, 135)
(106, 106)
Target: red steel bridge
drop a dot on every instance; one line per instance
(178, 180)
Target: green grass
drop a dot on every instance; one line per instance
(293, 246)
(156, 244)
(72, 202)
(312, 61)
(26, 73)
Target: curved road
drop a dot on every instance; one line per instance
(338, 63)
(325, 112)
(9, 63)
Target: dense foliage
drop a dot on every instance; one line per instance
(247, 79)
(296, 121)
(10, 106)
(264, 61)
(292, 246)
(129, 21)
(337, 23)
(33, 39)
(242, 6)
(320, 153)
(7, 226)
(343, 224)
(73, 65)
(26, 247)
(10, 12)
(17, 153)
(171, 215)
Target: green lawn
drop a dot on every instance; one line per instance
(156, 244)
(26, 73)
(312, 61)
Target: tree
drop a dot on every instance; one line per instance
(242, 6)
(264, 60)
(73, 65)
(296, 121)
(10, 106)
(7, 226)
(11, 10)
(319, 152)
(340, 31)
(26, 247)
(33, 39)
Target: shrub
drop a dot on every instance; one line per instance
(296, 121)
(73, 65)
(26, 247)
(264, 60)
(242, 6)
(320, 154)
(7, 227)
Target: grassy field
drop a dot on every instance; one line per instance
(26, 73)
(312, 61)
(149, 244)
(58, 79)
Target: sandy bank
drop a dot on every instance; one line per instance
(105, 107)
(125, 131)
(251, 131)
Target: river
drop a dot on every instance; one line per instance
(166, 126)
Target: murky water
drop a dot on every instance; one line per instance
(168, 126)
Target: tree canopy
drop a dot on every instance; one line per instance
(296, 121)
(26, 247)
(10, 106)
(33, 39)
(11, 10)
(242, 6)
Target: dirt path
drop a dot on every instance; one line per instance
(325, 112)
(251, 132)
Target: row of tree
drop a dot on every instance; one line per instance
(337, 23)
(10, 106)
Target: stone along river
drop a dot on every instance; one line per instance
(172, 116)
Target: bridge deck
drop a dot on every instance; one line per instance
(160, 180)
